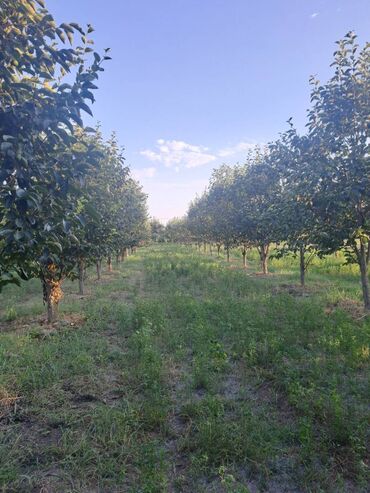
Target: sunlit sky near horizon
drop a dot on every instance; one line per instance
(195, 83)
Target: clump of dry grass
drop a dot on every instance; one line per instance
(8, 403)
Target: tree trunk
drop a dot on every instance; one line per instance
(228, 254)
(244, 253)
(205, 247)
(52, 310)
(109, 263)
(363, 260)
(218, 250)
(210, 248)
(263, 250)
(81, 265)
(117, 258)
(265, 265)
(52, 294)
(302, 266)
(98, 269)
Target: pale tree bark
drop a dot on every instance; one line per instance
(363, 256)
(302, 266)
(109, 263)
(263, 250)
(98, 269)
(81, 271)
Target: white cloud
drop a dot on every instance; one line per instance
(151, 155)
(179, 154)
(144, 172)
(315, 14)
(236, 149)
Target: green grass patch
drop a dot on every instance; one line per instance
(180, 372)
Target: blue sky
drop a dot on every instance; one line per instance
(195, 83)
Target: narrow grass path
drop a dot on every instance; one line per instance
(180, 373)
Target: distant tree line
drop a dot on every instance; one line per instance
(175, 231)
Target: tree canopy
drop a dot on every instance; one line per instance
(303, 193)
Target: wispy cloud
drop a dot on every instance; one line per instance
(314, 14)
(179, 154)
(241, 147)
(139, 174)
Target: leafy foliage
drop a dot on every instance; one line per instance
(303, 194)
(65, 196)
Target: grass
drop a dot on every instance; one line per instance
(182, 373)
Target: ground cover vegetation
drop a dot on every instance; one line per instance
(180, 371)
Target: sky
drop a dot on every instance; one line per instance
(193, 84)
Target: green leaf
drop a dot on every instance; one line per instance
(85, 108)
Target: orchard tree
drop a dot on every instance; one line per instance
(295, 221)
(103, 187)
(238, 197)
(177, 231)
(199, 220)
(257, 186)
(37, 164)
(112, 206)
(157, 230)
(132, 225)
(93, 201)
(339, 171)
(114, 178)
(44, 251)
(221, 208)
